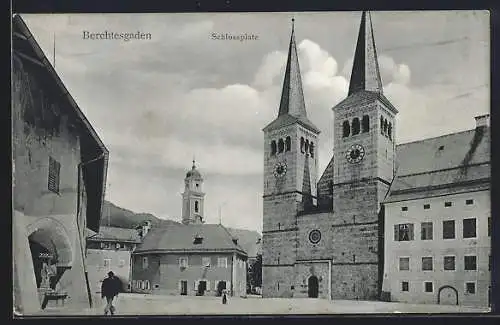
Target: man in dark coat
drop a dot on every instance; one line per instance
(111, 286)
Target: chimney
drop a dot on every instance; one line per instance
(146, 226)
(482, 121)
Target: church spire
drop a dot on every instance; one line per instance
(292, 97)
(365, 69)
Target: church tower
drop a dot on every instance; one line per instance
(193, 197)
(364, 151)
(290, 179)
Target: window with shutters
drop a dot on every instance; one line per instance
(205, 261)
(427, 264)
(403, 232)
(426, 231)
(222, 262)
(54, 175)
(183, 262)
(404, 263)
(449, 229)
(469, 230)
(449, 263)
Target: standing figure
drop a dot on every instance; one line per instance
(46, 273)
(109, 290)
(224, 296)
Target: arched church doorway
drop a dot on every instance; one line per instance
(447, 295)
(313, 287)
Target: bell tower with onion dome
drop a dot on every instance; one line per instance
(193, 197)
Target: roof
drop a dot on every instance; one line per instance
(249, 240)
(364, 97)
(454, 160)
(116, 234)
(365, 69)
(180, 238)
(193, 172)
(292, 104)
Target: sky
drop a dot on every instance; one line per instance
(156, 103)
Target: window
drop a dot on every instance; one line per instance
(306, 147)
(122, 263)
(489, 263)
(288, 144)
(447, 204)
(426, 231)
(469, 228)
(205, 261)
(147, 285)
(404, 263)
(311, 149)
(428, 287)
(107, 262)
(469, 202)
(405, 286)
(302, 143)
(365, 123)
(118, 245)
(470, 288)
(449, 229)
(449, 263)
(145, 262)
(196, 206)
(427, 206)
(404, 208)
(54, 174)
(470, 263)
(426, 263)
(157, 286)
(385, 126)
(222, 262)
(143, 285)
(389, 131)
(403, 232)
(381, 125)
(346, 129)
(273, 147)
(281, 145)
(489, 226)
(355, 126)
(183, 262)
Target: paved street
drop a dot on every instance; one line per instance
(140, 304)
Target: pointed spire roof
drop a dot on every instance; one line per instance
(365, 69)
(292, 105)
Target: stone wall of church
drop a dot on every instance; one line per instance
(355, 281)
(280, 211)
(277, 281)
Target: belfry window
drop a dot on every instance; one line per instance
(306, 148)
(389, 131)
(273, 147)
(311, 149)
(366, 123)
(355, 126)
(54, 175)
(281, 145)
(288, 144)
(381, 125)
(346, 129)
(302, 143)
(385, 127)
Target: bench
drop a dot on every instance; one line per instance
(54, 296)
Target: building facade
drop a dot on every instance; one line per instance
(59, 172)
(111, 250)
(438, 221)
(328, 236)
(192, 258)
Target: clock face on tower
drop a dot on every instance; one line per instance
(355, 154)
(280, 170)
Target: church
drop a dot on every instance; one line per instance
(324, 236)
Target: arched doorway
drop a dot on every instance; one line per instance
(51, 252)
(313, 287)
(447, 295)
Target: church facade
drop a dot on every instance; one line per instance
(324, 236)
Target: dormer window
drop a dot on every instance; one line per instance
(235, 241)
(441, 148)
(198, 239)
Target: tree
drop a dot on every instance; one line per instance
(255, 272)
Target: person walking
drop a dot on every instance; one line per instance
(224, 296)
(109, 290)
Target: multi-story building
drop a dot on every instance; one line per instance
(59, 174)
(111, 250)
(438, 220)
(192, 258)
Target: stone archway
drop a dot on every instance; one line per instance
(447, 295)
(313, 287)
